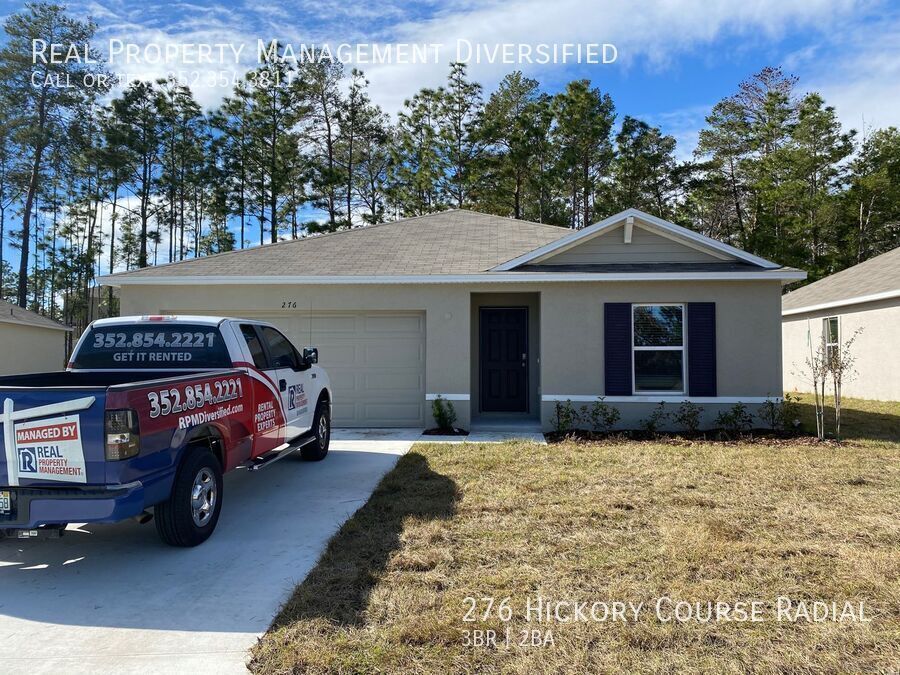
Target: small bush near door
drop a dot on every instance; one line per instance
(444, 414)
(601, 416)
(566, 418)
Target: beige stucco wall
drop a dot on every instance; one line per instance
(876, 348)
(571, 325)
(26, 349)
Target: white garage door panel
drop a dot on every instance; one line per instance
(394, 324)
(393, 381)
(395, 415)
(376, 362)
(392, 351)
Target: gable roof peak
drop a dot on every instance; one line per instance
(689, 237)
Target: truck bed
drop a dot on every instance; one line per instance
(89, 380)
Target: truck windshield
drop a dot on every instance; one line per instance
(153, 345)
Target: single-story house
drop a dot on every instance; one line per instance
(30, 342)
(502, 317)
(865, 298)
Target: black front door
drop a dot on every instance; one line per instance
(503, 353)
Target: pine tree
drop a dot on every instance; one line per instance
(39, 114)
(818, 150)
(373, 165)
(417, 162)
(584, 119)
(514, 135)
(137, 116)
(871, 222)
(644, 173)
(459, 111)
(355, 117)
(320, 80)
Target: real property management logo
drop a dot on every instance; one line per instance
(118, 52)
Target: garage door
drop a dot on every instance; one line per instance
(376, 362)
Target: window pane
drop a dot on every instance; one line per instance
(659, 370)
(153, 345)
(281, 351)
(658, 326)
(831, 330)
(255, 346)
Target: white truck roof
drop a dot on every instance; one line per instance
(174, 318)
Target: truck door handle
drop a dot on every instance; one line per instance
(282, 385)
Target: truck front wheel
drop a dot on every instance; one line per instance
(189, 516)
(317, 448)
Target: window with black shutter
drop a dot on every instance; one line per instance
(658, 344)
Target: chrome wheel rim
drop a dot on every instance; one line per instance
(323, 430)
(203, 497)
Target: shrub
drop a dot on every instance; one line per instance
(601, 416)
(790, 412)
(735, 421)
(651, 425)
(779, 415)
(443, 413)
(688, 417)
(770, 413)
(566, 417)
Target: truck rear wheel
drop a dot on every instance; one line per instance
(189, 516)
(316, 449)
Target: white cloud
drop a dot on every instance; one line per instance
(858, 73)
(654, 32)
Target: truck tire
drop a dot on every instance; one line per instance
(315, 450)
(189, 516)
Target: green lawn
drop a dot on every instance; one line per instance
(627, 521)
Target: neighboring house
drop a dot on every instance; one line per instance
(502, 317)
(29, 342)
(865, 298)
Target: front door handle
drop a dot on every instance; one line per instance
(282, 385)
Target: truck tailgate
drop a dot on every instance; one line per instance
(52, 436)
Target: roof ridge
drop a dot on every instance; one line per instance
(561, 228)
(337, 232)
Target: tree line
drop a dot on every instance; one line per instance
(90, 185)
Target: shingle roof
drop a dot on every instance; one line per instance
(10, 313)
(876, 276)
(450, 242)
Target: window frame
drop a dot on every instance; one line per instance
(836, 345)
(683, 349)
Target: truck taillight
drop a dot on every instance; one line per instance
(123, 439)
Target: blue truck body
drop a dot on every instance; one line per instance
(112, 491)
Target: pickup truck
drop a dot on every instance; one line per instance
(149, 413)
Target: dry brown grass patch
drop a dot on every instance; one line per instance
(627, 521)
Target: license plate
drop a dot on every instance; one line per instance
(5, 502)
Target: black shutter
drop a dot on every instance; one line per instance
(701, 348)
(617, 348)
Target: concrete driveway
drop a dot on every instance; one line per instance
(112, 598)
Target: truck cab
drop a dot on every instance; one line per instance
(148, 415)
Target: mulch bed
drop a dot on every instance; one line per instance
(445, 432)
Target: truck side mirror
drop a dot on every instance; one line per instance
(311, 355)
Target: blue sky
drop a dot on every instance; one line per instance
(676, 58)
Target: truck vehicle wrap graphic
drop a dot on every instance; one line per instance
(110, 437)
